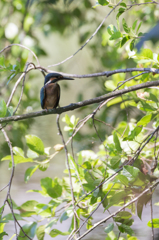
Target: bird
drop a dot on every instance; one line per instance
(50, 92)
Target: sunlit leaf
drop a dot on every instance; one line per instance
(155, 223)
(35, 144)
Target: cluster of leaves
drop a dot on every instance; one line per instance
(88, 170)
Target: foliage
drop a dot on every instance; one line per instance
(114, 162)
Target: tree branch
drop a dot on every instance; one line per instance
(73, 106)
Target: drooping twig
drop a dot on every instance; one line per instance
(22, 46)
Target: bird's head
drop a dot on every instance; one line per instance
(55, 77)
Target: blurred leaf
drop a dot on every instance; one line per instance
(155, 223)
(145, 120)
(56, 232)
(131, 173)
(123, 179)
(35, 144)
(40, 232)
(124, 228)
(29, 205)
(125, 26)
(29, 229)
(109, 228)
(117, 142)
(3, 109)
(29, 172)
(134, 133)
(103, 2)
(134, 25)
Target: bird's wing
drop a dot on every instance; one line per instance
(42, 96)
(58, 96)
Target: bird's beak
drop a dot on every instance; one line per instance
(67, 78)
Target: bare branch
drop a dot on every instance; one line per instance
(73, 106)
(20, 45)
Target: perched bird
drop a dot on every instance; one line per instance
(50, 92)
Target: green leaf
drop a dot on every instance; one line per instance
(2, 61)
(123, 179)
(56, 190)
(29, 172)
(124, 40)
(116, 198)
(103, 2)
(132, 44)
(121, 11)
(40, 232)
(109, 228)
(123, 4)
(46, 183)
(32, 154)
(153, 98)
(115, 35)
(125, 228)
(131, 173)
(17, 159)
(134, 133)
(29, 229)
(29, 205)
(67, 214)
(35, 144)
(124, 215)
(155, 222)
(3, 109)
(134, 25)
(18, 151)
(56, 232)
(117, 142)
(138, 27)
(125, 26)
(145, 120)
(43, 210)
(147, 53)
(9, 217)
(140, 204)
(3, 234)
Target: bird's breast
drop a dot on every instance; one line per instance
(52, 95)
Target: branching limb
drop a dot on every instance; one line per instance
(79, 104)
(123, 207)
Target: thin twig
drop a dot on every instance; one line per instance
(69, 170)
(88, 40)
(22, 46)
(115, 213)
